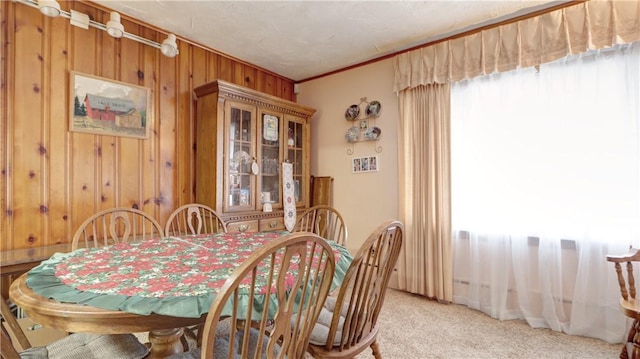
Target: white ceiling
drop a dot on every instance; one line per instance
(303, 39)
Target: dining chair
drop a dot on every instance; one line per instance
(347, 324)
(194, 218)
(266, 300)
(116, 225)
(72, 346)
(324, 221)
(629, 305)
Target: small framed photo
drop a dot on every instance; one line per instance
(107, 107)
(365, 164)
(363, 124)
(356, 165)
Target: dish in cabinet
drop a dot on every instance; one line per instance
(241, 156)
(352, 112)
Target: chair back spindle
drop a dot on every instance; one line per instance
(631, 280)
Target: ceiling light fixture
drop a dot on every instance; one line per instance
(169, 47)
(49, 8)
(114, 26)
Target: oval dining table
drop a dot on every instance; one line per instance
(164, 331)
(159, 285)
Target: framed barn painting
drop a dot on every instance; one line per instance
(106, 107)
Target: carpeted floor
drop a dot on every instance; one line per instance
(414, 327)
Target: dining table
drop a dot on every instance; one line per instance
(159, 285)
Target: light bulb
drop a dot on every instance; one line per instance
(49, 8)
(114, 26)
(169, 47)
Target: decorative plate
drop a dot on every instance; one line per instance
(255, 169)
(373, 109)
(352, 134)
(372, 133)
(352, 112)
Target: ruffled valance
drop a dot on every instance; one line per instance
(589, 25)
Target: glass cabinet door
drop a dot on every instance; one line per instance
(240, 143)
(270, 127)
(295, 153)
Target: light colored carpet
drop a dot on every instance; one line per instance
(413, 327)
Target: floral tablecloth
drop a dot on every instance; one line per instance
(176, 276)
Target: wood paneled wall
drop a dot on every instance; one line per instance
(52, 179)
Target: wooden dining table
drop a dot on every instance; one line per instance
(159, 285)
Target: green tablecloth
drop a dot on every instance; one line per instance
(176, 276)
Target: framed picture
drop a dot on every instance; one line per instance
(107, 107)
(365, 164)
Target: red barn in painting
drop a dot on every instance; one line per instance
(122, 112)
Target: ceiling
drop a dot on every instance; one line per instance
(305, 39)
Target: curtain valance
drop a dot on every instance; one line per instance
(589, 25)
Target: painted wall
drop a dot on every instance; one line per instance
(366, 199)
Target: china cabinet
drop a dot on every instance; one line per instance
(242, 138)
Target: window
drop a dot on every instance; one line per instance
(551, 153)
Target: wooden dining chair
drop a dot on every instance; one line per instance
(629, 305)
(194, 218)
(73, 346)
(347, 324)
(324, 221)
(116, 225)
(268, 305)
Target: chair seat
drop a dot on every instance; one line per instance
(221, 346)
(630, 308)
(87, 346)
(320, 331)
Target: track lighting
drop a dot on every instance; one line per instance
(114, 26)
(79, 19)
(49, 8)
(169, 47)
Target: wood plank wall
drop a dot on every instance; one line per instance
(52, 179)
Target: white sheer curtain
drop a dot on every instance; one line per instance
(545, 183)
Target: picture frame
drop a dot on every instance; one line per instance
(108, 107)
(270, 127)
(365, 164)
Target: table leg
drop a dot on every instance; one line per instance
(165, 342)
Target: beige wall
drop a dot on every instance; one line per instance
(364, 199)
